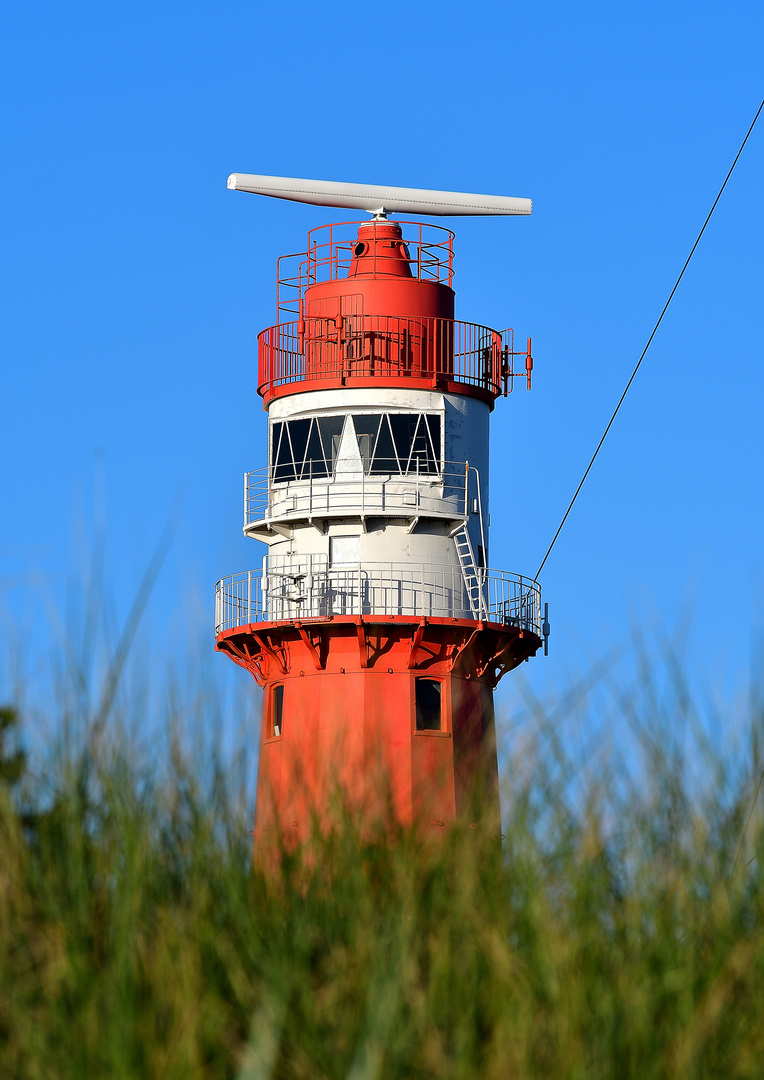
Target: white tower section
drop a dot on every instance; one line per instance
(380, 493)
(374, 500)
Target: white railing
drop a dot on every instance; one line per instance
(309, 589)
(408, 495)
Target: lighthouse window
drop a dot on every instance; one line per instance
(384, 456)
(299, 430)
(275, 713)
(366, 431)
(330, 428)
(315, 459)
(433, 430)
(429, 704)
(404, 427)
(388, 443)
(305, 448)
(281, 453)
(407, 442)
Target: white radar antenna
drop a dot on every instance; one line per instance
(379, 200)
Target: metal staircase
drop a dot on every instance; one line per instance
(473, 577)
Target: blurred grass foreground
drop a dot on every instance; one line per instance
(616, 932)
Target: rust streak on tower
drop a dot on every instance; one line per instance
(374, 625)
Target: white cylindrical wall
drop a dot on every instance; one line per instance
(465, 427)
(377, 552)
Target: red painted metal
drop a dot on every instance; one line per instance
(384, 279)
(379, 307)
(338, 349)
(349, 729)
(331, 252)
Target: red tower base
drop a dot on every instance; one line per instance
(391, 717)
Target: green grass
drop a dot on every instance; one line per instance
(617, 932)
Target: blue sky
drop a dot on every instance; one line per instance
(134, 285)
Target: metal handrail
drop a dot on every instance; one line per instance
(330, 253)
(314, 591)
(341, 349)
(442, 494)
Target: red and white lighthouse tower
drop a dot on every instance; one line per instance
(373, 623)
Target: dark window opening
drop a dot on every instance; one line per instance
(421, 452)
(433, 425)
(406, 444)
(276, 717)
(298, 435)
(331, 436)
(283, 465)
(388, 443)
(384, 460)
(305, 448)
(429, 704)
(366, 428)
(404, 427)
(315, 462)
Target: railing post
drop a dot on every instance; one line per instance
(249, 596)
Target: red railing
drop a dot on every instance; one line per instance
(330, 253)
(434, 352)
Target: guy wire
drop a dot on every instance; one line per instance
(649, 340)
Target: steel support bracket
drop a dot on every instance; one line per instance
(270, 653)
(416, 642)
(460, 649)
(362, 651)
(315, 655)
(282, 530)
(244, 658)
(495, 659)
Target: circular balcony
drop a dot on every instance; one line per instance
(444, 496)
(313, 590)
(363, 350)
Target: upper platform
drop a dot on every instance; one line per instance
(371, 304)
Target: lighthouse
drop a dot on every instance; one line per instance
(374, 621)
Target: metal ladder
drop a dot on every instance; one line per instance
(473, 579)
